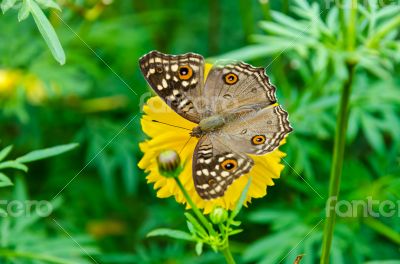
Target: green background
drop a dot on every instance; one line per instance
(108, 208)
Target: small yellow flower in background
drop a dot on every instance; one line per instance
(34, 88)
(8, 80)
(164, 137)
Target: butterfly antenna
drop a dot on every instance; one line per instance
(187, 141)
(156, 121)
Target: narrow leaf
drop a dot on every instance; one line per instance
(14, 165)
(7, 4)
(177, 234)
(4, 152)
(24, 11)
(4, 180)
(191, 228)
(236, 231)
(45, 153)
(199, 248)
(48, 33)
(49, 4)
(197, 226)
(242, 198)
(250, 52)
(235, 223)
(288, 21)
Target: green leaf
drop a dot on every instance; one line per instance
(332, 18)
(48, 33)
(191, 228)
(288, 21)
(7, 4)
(14, 165)
(4, 180)
(196, 225)
(373, 134)
(236, 231)
(235, 223)
(5, 151)
(245, 53)
(177, 234)
(286, 241)
(239, 204)
(49, 4)
(387, 12)
(46, 153)
(199, 248)
(281, 30)
(24, 11)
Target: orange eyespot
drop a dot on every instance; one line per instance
(258, 140)
(231, 78)
(229, 164)
(185, 72)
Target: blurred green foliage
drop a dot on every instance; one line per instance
(95, 99)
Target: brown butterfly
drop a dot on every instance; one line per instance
(235, 109)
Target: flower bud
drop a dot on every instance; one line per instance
(169, 163)
(218, 215)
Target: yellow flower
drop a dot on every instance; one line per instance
(11, 80)
(35, 89)
(162, 137)
(8, 81)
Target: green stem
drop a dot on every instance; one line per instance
(34, 256)
(225, 248)
(227, 254)
(342, 18)
(337, 164)
(196, 210)
(266, 9)
(351, 28)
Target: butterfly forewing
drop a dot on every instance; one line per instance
(178, 80)
(237, 84)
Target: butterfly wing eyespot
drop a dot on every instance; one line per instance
(258, 140)
(231, 78)
(159, 69)
(229, 165)
(185, 72)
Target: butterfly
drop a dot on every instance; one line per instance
(235, 110)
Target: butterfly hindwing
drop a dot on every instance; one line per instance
(216, 166)
(178, 80)
(258, 132)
